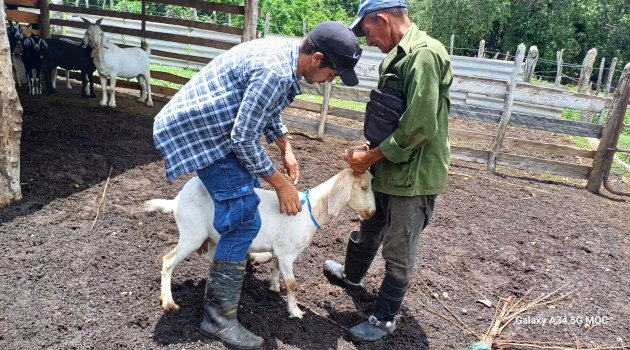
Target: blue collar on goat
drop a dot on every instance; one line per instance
(308, 202)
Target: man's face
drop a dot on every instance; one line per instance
(315, 75)
(377, 32)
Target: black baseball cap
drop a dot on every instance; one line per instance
(337, 42)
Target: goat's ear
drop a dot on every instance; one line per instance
(98, 23)
(340, 194)
(86, 20)
(27, 42)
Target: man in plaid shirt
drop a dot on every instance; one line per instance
(213, 126)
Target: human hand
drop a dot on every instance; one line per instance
(357, 158)
(291, 168)
(288, 199)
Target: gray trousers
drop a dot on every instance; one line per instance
(397, 224)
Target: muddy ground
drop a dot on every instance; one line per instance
(68, 286)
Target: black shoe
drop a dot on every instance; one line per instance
(223, 292)
(371, 330)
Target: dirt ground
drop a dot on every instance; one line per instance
(68, 286)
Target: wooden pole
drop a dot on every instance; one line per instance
(450, 51)
(585, 79)
(144, 17)
(44, 17)
(507, 108)
(599, 76)
(559, 71)
(609, 78)
(530, 64)
(250, 21)
(324, 115)
(267, 19)
(610, 135)
(10, 124)
(482, 47)
(507, 55)
(304, 31)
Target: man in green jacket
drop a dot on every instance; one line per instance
(411, 165)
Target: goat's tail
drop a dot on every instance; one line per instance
(145, 46)
(165, 205)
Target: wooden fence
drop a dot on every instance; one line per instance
(250, 12)
(510, 91)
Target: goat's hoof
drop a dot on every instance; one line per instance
(113, 105)
(275, 288)
(150, 103)
(170, 306)
(296, 313)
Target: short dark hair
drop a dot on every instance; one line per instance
(397, 12)
(307, 47)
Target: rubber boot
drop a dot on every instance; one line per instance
(358, 261)
(383, 322)
(223, 292)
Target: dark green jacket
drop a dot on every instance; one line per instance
(418, 152)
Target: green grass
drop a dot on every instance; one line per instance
(334, 102)
(182, 72)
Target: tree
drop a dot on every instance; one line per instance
(10, 125)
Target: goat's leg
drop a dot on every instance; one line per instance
(112, 93)
(147, 78)
(103, 88)
(68, 80)
(184, 248)
(143, 88)
(286, 267)
(53, 78)
(274, 281)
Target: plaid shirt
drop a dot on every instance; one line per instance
(227, 106)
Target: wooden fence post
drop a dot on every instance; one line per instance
(304, 31)
(507, 55)
(530, 64)
(559, 71)
(609, 78)
(267, 19)
(10, 125)
(507, 108)
(44, 17)
(610, 135)
(450, 51)
(585, 78)
(324, 115)
(600, 75)
(250, 20)
(482, 47)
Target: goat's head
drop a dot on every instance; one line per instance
(15, 30)
(37, 43)
(354, 191)
(93, 35)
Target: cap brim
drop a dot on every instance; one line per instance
(356, 28)
(348, 77)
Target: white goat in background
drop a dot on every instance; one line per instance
(112, 61)
(282, 235)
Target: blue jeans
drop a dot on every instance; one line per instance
(236, 216)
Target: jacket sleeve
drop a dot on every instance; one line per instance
(418, 124)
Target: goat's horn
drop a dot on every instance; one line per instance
(86, 20)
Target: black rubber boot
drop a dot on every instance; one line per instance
(383, 322)
(223, 292)
(358, 261)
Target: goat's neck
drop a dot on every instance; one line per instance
(319, 196)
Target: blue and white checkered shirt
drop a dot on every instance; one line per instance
(227, 106)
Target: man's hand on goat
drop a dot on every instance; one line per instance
(360, 158)
(291, 167)
(288, 199)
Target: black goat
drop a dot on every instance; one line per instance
(34, 46)
(69, 56)
(16, 35)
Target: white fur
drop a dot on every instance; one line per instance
(281, 235)
(112, 61)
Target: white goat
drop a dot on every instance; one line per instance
(112, 61)
(281, 235)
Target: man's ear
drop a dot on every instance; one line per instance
(317, 58)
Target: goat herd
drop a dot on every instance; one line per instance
(41, 57)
